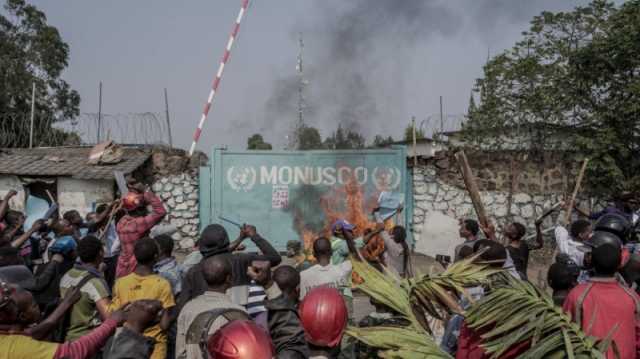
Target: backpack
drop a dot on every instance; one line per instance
(60, 332)
(198, 331)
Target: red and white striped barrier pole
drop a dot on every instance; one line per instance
(216, 81)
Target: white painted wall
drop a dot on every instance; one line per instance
(439, 235)
(81, 194)
(8, 183)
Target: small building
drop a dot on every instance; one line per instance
(65, 174)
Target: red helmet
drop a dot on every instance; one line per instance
(324, 316)
(131, 201)
(240, 339)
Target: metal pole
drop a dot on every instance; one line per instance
(33, 110)
(441, 118)
(99, 111)
(166, 112)
(415, 152)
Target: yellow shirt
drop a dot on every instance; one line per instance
(133, 287)
(23, 347)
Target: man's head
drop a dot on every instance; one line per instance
(515, 231)
(322, 248)
(399, 234)
(8, 307)
(216, 271)
(63, 228)
(165, 244)
(144, 313)
(28, 310)
(294, 248)
(562, 276)
(90, 250)
(288, 280)
(606, 259)
(73, 217)
(341, 226)
(469, 228)
(146, 251)
(91, 216)
(581, 230)
(214, 240)
(495, 254)
(9, 256)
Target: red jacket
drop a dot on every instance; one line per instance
(130, 229)
(610, 303)
(469, 346)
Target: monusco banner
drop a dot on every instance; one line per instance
(296, 195)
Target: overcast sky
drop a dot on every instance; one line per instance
(370, 64)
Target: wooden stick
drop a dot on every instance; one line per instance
(472, 187)
(569, 209)
(549, 211)
(50, 196)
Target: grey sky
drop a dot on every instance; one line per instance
(371, 63)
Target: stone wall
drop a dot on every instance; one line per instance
(440, 200)
(180, 195)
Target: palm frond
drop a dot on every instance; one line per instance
(518, 312)
(398, 342)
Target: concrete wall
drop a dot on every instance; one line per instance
(8, 183)
(439, 204)
(179, 193)
(82, 194)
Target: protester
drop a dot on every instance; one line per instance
(294, 251)
(469, 230)
(324, 317)
(569, 243)
(64, 245)
(518, 248)
(397, 253)
(106, 217)
(240, 339)
(167, 266)
(215, 242)
(217, 273)
(93, 306)
(561, 278)
(325, 273)
(381, 316)
(602, 305)
(135, 224)
(129, 341)
(143, 283)
(19, 346)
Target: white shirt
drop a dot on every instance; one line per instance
(333, 275)
(568, 246)
(393, 254)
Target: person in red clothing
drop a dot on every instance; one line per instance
(18, 308)
(136, 224)
(603, 303)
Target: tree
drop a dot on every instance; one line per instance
(408, 133)
(31, 51)
(256, 142)
(380, 141)
(344, 140)
(309, 138)
(572, 84)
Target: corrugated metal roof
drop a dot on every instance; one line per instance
(66, 161)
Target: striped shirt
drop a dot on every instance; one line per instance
(255, 301)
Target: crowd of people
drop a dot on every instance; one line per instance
(104, 287)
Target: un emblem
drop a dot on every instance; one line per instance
(241, 178)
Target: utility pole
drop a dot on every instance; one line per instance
(33, 110)
(99, 111)
(415, 144)
(441, 118)
(166, 113)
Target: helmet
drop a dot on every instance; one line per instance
(131, 201)
(616, 224)
(324, 316)
(240, 339)
(600, 238)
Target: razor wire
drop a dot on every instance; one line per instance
(146, 128)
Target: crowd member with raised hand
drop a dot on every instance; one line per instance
(603, 305)
(4, 207)
(469, 230)
(93, 306)
(217, 273)
(136, 223)
(103, 226)
(17, 307)
(143, 283)
(215, 242)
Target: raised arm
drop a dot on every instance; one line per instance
(157, 211)
(350, 243)
(539, 240)
(87, 345)
(268, 252)
(18, 242)
(45, 327)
